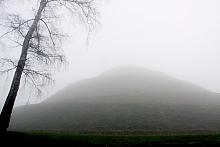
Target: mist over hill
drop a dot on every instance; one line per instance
(124, 98)
(134, 84)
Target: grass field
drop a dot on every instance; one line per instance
(105, 139)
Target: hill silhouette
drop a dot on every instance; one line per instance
(134, 84)
(124, 98)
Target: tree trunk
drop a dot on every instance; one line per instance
(10, 100)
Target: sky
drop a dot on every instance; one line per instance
(180, 38)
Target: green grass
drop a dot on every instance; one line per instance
(105, 139)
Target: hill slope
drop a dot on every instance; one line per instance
(134, 84)
(124, 98)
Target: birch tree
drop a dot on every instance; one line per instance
(39, 40)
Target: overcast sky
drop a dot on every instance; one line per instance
(178, 37)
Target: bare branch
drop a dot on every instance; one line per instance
(7, 70)
(44, 46)
(16, 24)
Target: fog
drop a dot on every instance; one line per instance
(180, 38)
